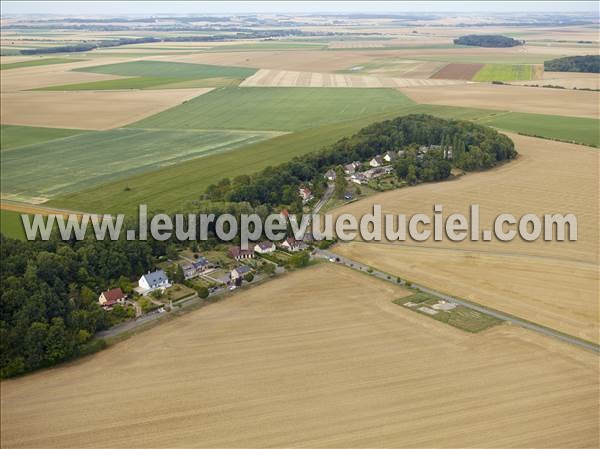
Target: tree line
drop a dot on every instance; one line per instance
(584, 64)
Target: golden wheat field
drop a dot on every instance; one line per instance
(551, 283)
(318, 358)
(89, 109)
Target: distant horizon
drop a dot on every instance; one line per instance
(74, 8)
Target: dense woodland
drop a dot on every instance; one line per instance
(474, 147)
(488, 40)
(49, 290)
(586, 64)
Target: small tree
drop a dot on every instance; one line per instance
(249, 277)
(202, 291)
(178, 276)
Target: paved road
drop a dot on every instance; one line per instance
(496, 314)
(326, 196)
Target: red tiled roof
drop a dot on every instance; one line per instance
(113, 295)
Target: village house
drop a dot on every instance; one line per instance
(330, 175)
(390, 156)
(305, 193)
(352, 167)
(152, 281)
(401, 153)
(264, 247)
(293, 245)
(358, 178)
(112, 297)
(377, 161)
(191, 270)
(240, 272)
(238, 253)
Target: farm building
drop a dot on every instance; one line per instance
(264, 247)
(112, 297)
(152, 281)
(238, 253)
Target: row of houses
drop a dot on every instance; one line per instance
(289, 244)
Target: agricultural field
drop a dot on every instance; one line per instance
(19, 136)
(37, 62)
(456, 71)
(11, 225)
(560, 102)
(152, 74)
(286, 78)
(282, 109)
(507, 72)
(97, 110)
(82, 161)
(551, 283)
(387, 377)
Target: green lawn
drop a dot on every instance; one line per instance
(570, 129)
(154, 74)
(504, 72)
(78, 162)
(36, 62)
(12, 136)
(11, 224)
(284, 109)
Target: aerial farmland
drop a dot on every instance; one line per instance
(472, 343)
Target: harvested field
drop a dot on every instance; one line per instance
(386, 377)
(286, 78)
(305, 61)
(35, 77)
(456, 71)
(550, 283)
(568, 80)
(89, 109)
(511, 98)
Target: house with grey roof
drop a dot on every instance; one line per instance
(152, 281)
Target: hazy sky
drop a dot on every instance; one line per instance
(303, 7)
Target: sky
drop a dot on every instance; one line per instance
(299, 7)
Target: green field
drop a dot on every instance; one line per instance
(12, 136)
(11, 224)
(154, 74)
(504, 72)
(37, 62)
(281, 108)
(172, 187)
(569, 129)
(78, 162)
(162, 69)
